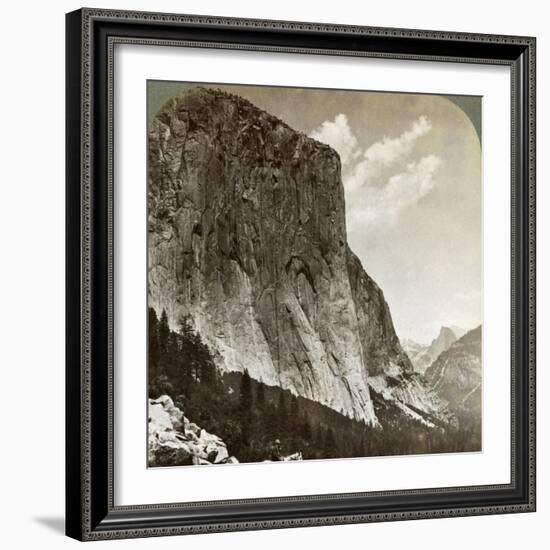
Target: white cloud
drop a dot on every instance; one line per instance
(338, 135)
(382, 180)
(414, 183)
(382, 204)
(390, 150)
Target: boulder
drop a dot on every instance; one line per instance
(221, 454)
(293, 456)
(174, 413)
(169, 447)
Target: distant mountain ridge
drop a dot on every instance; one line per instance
(411, 347)
(456, 374)
(423, 356)
(459, 331)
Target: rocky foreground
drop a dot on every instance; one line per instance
(173, 440)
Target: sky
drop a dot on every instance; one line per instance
(411, 170)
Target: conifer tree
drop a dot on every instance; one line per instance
(164, 332)
(320, 437)
(282, 414)
(245, 393)
(306, 429)
(260, 398)
(185, 326)
(330, 443)
(153, 351)
(294, 415)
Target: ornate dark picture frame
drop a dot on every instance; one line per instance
(90, 510)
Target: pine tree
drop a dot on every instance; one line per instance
(172, 357)
(260, 398)
(294, 417)
(164, 332)
(320, 437)
(330, 443)
(245, 393)
(153, 351)
(185, 326)
(282, 414)
(306, 429)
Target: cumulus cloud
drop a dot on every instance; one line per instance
(383, 179)
(337, 133)
(402, 190)
(415, 182)
(390, 150)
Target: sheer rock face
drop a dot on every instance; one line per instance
(247, 236)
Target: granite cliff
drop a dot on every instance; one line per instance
(247, 238)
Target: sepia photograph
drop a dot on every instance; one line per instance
(300, 284)
(314, 274)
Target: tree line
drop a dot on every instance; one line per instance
(260, 422)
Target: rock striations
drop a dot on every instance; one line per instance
(247, 237)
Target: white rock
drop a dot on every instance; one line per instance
(159, 419)
(208, 437)
(165, 420)
(294, 456)
(167, 404)
(222, 455)
(194, 428)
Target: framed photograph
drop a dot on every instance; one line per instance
(300, 274)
